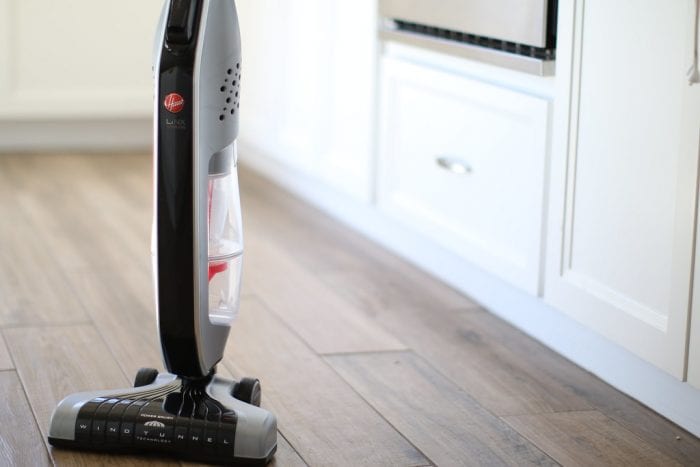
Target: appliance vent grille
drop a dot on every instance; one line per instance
(230, 91)
(473, 39)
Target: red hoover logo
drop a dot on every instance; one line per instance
(174, 102)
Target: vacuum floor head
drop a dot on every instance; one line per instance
(195, 420)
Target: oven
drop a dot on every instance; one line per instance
(517, 34)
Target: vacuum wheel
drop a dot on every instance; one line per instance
(145, 376)
(248, 390)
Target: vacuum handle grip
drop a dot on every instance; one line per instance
(180, 26)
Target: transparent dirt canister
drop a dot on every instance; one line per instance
(225, 237)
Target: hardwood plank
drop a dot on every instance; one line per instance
(640, 420)
(20, 438)
(516, 373)
(453, 341)
(441, 420)
(286, 456)
(321, 416)
(654, 429)
(32, 288)
(5, 360)
(53, 362)
(37, 292)
(122, 308)
(92, 225)
(325, 321)
(587, 439)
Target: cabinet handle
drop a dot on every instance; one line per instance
(693, 72)
(454, 165)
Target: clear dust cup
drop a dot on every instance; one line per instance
(225, 237)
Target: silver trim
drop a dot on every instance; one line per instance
(534, 66)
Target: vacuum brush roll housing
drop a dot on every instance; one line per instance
(189, 411)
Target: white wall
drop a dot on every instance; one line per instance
(75, 73)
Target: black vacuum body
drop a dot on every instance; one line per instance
(188, 411)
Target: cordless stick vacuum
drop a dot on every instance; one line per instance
(188, 412)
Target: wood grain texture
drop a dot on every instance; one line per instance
(587, 439)
(560, 373)
(121, 306)
(441, 420)
(56, 361)
(457, 344)
(326, 322)
(321, 416)
(5, 359)
(93, 226)
(286, 456)
(664, 435)
(32, 288)
(18, 446)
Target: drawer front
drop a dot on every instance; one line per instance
(463, 162)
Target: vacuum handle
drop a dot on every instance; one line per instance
(180, 26)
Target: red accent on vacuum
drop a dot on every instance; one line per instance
(216, 268)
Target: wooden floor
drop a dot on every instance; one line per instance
(365, 359)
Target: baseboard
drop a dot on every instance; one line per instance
(76, 135)
(628, 373)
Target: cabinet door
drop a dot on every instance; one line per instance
(308, 86)
(76, 59)
(463, 162)
(694, 344)
(624, 177)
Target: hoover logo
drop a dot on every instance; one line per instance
(174, 102)
(155, 424)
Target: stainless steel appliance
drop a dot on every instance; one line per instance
(518, 34)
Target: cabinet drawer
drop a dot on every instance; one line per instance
(463, 162)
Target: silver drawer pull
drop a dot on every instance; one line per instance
(454, 165)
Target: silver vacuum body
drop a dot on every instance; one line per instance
(188, 411)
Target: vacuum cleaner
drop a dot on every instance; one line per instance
(189, 411)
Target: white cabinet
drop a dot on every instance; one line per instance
(463, 162)
(624, 177)
(308, 86)
(76, 59)
(694, 344)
